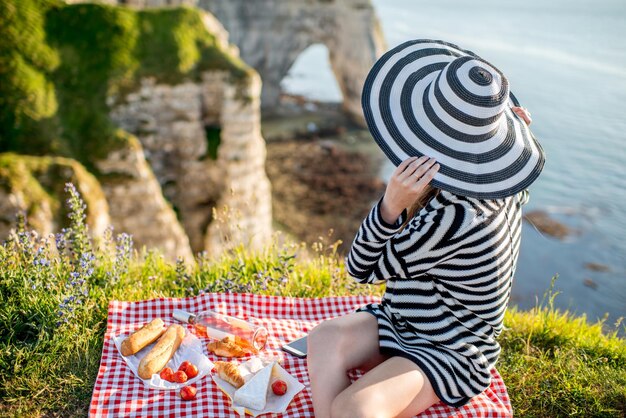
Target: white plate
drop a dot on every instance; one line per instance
(190, 349)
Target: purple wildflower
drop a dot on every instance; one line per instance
(123, 253)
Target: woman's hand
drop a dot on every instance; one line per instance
(523, 113)
(406, 185)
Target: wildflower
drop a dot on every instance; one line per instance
(228, 285)
(40, 263)
(25, 241)
(60, 240)
(76, 287)
(78, 232)
(123, 252)
(182, 276)
(76, 239)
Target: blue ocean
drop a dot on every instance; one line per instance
(566, 62)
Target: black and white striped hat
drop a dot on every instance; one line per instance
(429, 97)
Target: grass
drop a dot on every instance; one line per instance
(54, 293)
(555, 364)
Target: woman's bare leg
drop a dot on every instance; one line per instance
(395, 388)
(336, 346)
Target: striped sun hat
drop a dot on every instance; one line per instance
(428, 97)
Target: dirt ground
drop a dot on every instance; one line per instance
(324, 176)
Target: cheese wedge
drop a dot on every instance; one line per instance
(253, 394)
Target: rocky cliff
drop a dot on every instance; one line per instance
(137, 205)
(189, 146)
(204, 144)
(271, 34)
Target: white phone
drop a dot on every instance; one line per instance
(296, 347)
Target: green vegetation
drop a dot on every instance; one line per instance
(213, 138)
(59, 64)
(555, 364)
(53, 310)
(27, 98)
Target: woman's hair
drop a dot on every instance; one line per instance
(429, 193)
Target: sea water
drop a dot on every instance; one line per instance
(566, 62)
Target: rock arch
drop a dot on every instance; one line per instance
(314, 55)
(271, 34)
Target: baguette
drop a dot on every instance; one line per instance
(143, 337)
(162, 352)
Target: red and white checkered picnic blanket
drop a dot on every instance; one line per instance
(119, 393)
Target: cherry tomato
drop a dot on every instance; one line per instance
(279, 387)
(180, 377)
(191, 371)
(183, 366)
(167, 374)
(188, 393)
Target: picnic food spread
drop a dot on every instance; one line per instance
(162, 356)
(119, 391)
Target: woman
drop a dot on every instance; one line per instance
(444, 237)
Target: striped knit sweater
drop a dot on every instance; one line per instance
(448, 277)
